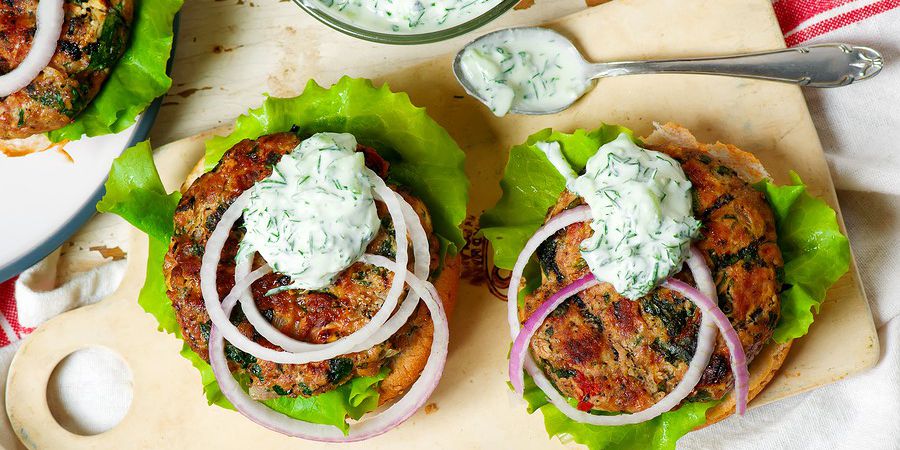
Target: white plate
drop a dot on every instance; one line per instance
(45, 197)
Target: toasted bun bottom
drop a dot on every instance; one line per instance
(762, 370)
(766, 364)
(416, 346)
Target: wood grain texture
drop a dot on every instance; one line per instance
(474, 409)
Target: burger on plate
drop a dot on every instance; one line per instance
(81, 67)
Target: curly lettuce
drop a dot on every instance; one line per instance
(815, 252)
(403, 133)
(422, 155)
(659, 433)
(137, 79)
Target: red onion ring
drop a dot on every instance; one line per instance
(732, 340)
(520, 357)
(712, 318)
(520, 345)
(315, 352)
(556, 223)
(50, 16)
(373, 425)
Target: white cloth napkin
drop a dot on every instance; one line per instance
(38, 297)
(859, 127)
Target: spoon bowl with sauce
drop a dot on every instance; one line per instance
(534, 70)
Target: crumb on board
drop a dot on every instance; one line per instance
(431, 408)
(189, 92)
(115, 253)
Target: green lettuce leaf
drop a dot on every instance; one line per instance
(354, 398)
(660, 433)
(422, 156)
(135, 192)
(531, 185)
(137, 79)
(815, 252)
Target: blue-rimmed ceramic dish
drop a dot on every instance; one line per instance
(46, 197)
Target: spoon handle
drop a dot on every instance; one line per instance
(822, 65)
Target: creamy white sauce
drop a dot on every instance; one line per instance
(406, 16)
(642, 218)
(315, 215)
(524, 69)
(554, 154)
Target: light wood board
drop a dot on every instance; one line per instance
(474, 407)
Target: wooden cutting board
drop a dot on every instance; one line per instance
(473, 407)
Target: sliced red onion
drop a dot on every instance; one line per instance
(313, 352)
(50, 16)
(732, 340)
(372, 425)
(520, 345)
(556, 223)
(520, 356)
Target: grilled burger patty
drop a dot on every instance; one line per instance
(94, 36)
(312, 316)
(613, 354)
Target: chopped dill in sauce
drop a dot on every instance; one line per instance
(524, 69)
(407, 16)
(641, 214)
(315, 214)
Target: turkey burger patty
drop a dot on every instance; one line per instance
(318, 317)
(618, 355)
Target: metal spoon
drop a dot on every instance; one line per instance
(820, 65)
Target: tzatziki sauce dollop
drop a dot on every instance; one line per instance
(524, 69)
(641, 212)
(315, 214)
(406, 16)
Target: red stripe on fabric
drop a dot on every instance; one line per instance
(9, 309)
(791, 13)
(841, 21)
(8, 291)
(7, 297)
(6, 340)
(11, 312)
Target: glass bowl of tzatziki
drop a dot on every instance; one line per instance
(405, 21)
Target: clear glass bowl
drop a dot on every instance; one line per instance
(315, 9)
